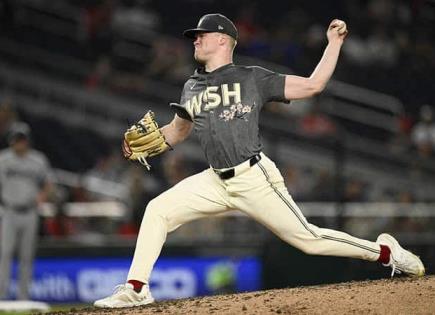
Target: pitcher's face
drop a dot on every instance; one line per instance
(206, 45)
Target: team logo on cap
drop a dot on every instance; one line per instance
(220, 27)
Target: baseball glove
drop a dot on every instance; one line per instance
(144, 139)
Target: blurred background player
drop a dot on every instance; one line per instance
(24, 186)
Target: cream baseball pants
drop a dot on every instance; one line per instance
(258, 191)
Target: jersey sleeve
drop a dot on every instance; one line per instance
(181, 111)
(270, 84)
(180, 108)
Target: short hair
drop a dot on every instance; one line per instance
(233, 42)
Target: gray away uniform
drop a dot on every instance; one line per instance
(21, 179)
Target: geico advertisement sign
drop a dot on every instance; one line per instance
(75, 280)
(92, 284)
(170, 283)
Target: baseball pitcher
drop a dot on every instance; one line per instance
(24, 186)
(222, 101)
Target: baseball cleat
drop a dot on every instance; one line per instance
(124, 295)
(401, 260)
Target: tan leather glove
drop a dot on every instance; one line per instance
(144, 139)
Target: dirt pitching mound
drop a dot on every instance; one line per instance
(388, 296)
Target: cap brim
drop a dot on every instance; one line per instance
(192, 32)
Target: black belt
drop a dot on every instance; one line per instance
(231, 172)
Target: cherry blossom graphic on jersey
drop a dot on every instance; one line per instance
(236, 111)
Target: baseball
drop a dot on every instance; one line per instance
(341, 27)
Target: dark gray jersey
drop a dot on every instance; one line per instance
(225, 105)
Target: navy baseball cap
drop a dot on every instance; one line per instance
(213, 23)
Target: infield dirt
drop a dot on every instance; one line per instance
(388, 296)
